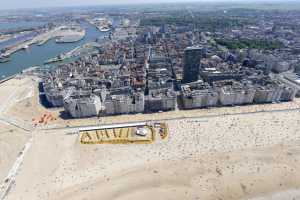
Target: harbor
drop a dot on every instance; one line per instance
(102, 24)
(37, 53)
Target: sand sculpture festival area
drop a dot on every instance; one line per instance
(248, 152)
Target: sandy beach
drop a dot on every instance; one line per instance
(232, 157)
(220, 153)
(12, 140)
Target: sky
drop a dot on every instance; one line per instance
(16, 4)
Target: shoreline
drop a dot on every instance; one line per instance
(7, 78)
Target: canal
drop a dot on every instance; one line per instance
(36, 55)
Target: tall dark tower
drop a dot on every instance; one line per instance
(192, 57)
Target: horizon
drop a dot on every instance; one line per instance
(38, 4)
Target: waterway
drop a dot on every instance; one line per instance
(21, 24)
(36, 55)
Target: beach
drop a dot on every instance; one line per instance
(247, 152)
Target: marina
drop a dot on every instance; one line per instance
(37, 54)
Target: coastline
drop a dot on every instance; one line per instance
(7, 78)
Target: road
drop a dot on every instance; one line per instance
(9, 181)
(202, 118)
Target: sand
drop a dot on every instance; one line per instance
(226, 157)
(27, 107)
(12, 141)
(207, 176)
(220, 153)
(292, 194)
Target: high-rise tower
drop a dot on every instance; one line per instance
(192, 57)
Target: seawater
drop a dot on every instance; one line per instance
(36, 55)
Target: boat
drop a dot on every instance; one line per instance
(4, 59)
(54, 60)
(104, 29)
(103, 24)
(25, 47)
